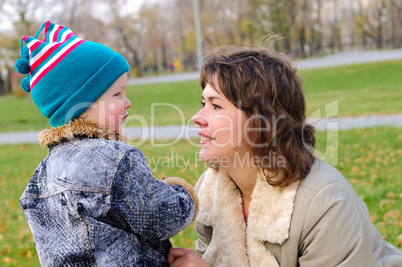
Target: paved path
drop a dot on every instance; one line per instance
(139, 134)
(173, 132)
(344, 58)
(349, 57)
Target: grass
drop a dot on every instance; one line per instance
(371, 159)
(363, 89)
(22, 114)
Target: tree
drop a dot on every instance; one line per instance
(163, 32)
(21, 13)
(317, 29)
(289, 18)
(394, 12)
(2, 81)
(184, 39)
(127, 35)
(154, 24)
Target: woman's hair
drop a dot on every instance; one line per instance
(264, 85)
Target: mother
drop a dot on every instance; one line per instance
(266, 200)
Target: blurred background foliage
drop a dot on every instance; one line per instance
(159, 36)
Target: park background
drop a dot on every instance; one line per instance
(160, 37)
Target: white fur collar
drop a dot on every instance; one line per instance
(269, 220)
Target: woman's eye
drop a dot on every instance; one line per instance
(214, 105)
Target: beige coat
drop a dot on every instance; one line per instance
(317, 222)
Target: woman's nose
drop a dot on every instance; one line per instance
(200, 119)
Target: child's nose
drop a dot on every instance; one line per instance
(128, 104)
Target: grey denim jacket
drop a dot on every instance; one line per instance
(94, 202)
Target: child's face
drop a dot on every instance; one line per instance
(221, 127)
(111, 108)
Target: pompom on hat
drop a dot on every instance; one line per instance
(66, 74)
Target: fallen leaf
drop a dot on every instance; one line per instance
(393, 214)
(390, 195)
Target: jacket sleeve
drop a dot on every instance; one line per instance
(204, 232)
(337, 230)
(147, 206)
(204, 237)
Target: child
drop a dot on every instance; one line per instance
(93, 200)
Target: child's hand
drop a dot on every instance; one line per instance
(185, 258)
(163, 178)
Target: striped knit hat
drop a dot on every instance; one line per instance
(66, 74)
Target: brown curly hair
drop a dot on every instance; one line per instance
(264, 84)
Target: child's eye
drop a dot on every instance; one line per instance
(117, 94)
(202, 104)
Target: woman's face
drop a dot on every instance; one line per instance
(221, 127)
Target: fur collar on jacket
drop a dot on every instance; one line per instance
(235, 243)
(78, 129)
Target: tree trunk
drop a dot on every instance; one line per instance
(2, 87)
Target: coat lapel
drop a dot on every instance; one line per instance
(269, 220)
(221, 208)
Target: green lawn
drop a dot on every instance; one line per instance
(371, 159)
(364, 89)
(359, 90)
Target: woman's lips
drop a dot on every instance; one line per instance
(205, 138)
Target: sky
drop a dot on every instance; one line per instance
(131, 6)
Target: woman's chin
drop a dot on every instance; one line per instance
(208, 159)
(204, 157)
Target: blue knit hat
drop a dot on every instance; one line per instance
(66, 74)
